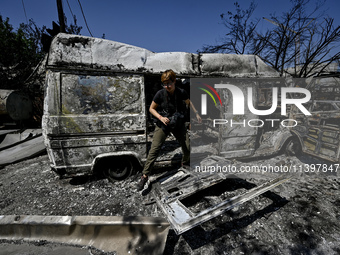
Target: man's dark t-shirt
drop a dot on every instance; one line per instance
(169, 104)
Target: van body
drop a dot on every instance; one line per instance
(97, 97)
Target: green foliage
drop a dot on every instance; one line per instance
(73, 28)
(20, 53)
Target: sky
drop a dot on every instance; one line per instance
(159, 26)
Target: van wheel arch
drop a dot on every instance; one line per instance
(116, 167)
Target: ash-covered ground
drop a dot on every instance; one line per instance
(301, 216)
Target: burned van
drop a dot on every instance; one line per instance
(97, 97)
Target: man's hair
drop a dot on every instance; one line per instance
(168, 75)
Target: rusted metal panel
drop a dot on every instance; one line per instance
(123, 235)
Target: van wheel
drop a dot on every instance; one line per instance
(293, 147)
(119, 169)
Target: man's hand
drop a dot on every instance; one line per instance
(164, 120)
(199, 119)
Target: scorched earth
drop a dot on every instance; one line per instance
(301, 216)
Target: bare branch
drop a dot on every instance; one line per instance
(300, 43)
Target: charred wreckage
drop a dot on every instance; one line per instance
(96, 120)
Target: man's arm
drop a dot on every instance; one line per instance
(191, 105)
(153, 111)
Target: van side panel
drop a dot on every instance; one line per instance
(90, 115)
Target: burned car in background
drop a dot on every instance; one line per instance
(319, 134)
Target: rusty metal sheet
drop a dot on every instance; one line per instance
(12, 139)
(4, 132)
(171, 190)
(123, 235)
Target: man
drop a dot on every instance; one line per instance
(168, 108)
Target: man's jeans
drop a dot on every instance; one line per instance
(157, 142)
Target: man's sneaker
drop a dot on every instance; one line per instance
(141, 183)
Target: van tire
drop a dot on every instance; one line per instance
(293, 147)
(115, 168)
(119, 169)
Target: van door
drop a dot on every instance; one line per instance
(236, 138)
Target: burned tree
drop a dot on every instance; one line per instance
(300, 43)
(240, 33)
